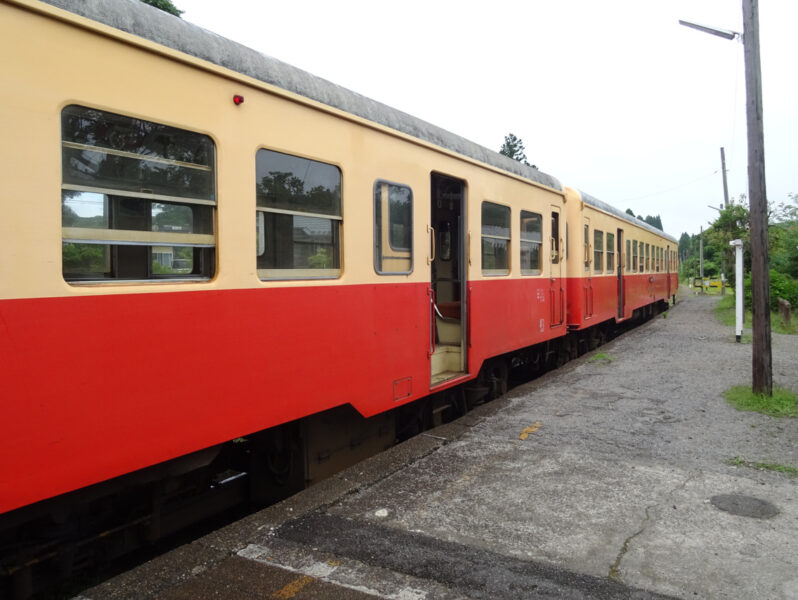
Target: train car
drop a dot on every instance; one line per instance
(240, 247)
(230, 255)
(618, 265)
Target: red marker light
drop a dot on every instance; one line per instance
(238, 99)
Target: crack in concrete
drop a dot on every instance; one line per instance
(615, 568)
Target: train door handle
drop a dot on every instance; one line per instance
(431, 231)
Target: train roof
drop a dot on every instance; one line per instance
(623, 215)
(137, 18)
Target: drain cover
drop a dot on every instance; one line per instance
(744, 506)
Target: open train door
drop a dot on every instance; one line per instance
(557, 256)
(448, 274)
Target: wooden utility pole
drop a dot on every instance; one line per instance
(760, 275)
(725, 184)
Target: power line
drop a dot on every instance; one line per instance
(677, 187)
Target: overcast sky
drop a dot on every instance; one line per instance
(612, 97)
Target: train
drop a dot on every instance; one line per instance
(245, 255)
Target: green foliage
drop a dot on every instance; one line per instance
(684, 244)
(725, 314)
(783, 403)
(738, 461)
(514, 148)
(655, 221)
(781, 286)
(320, 260)
(165, 5)
(603, 357)
(83, 258)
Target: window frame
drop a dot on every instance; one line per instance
(628, 255)
(529, 242)
(119, 243)
(610, 252)
(336, 228)
(381, 233)
(586, 246)
(507, 240)
(598, 253)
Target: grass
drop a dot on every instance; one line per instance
(724, 312)
(763, 466)
(783, 403)
(601, 356)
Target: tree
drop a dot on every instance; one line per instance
(654, 221)
(651, 220)
(514, 148)
(165, 5)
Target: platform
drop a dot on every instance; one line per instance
(623, 486)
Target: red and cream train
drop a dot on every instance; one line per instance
(239, 245)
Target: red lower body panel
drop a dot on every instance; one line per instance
(593, 300)
(508, 314)
(95, 387)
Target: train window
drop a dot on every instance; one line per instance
(586, 249)
(393, 228)
(634, 256)
(531, 240)
(598, 251)
(555, 238)
(628, 256)
(138, 199)
(648, 257)
(495, 239)
(610, 252)
(298, 208)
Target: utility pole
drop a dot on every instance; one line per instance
(762, 363)
(760, 275)
(725, 185)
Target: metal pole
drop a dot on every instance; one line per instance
(701, 259)
(762, 365)
(725, 184)
(738, 289)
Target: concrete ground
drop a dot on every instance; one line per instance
(609, 478)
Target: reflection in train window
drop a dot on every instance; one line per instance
(610, 252)
(598, 251)
(393, 228)
(298, 224)
(495, 239)
(531, 240)
(138, 199)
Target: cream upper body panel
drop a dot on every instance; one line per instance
(67, 60)
(599, 219)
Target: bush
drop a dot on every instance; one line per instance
(781, 286)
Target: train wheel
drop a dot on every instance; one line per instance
(494, 375)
